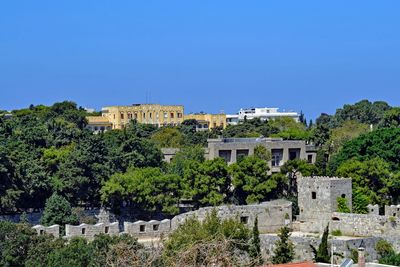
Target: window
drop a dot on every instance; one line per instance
(150, 115)
(157, 115)
(309, 158)
(41, 232)
(144, 115)
(83, 231)
(165, 115)
(129, 116)
(244, 219)
(335, 219)
(343, 195)
(106, 229)
(314, 195)
(225, 154)
(122, 116)
(294, 153)
(276, 157)
(179, 115)
(142, 228)
(155, 227)
(171, 115)
(135, 116)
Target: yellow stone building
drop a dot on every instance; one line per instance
(155, 114)
(98, 124)
(208, 121)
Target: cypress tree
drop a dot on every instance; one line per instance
(255, 247)
(284, 250)
(322, 254)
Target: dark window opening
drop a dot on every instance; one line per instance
(335, 219)
(309, 158)
(106, 229)
(244, 219)
(83, 231)
(155, 227)
(41, 232)
(343, 195)
(314, 195)
(122, 116)
(142, 228)
(394, 214)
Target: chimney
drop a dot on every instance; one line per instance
(361, 257)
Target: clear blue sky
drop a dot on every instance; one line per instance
(207, 55)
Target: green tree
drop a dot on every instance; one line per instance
(15, 240)
(184, 157)
(168, 137)
(391, 118)
(202, 243)
(342, 205)
(208, 182)
(322, 253)
(147, 189)
(261, 152)
(284, 248)
(372, 178)
(293, 169)
(255, 244)
(58, 211)
(251, 181)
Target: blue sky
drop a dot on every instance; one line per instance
(212, 55)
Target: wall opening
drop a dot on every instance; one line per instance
(314, 195)
(106, 229)
(155, 227)
(142, 228)
(335, 219)
(41, 232)
(244, 219)
(343, 195)
(83, 231)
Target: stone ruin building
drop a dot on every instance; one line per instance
(317, 201)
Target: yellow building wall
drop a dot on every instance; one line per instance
(214, 120)
(154, 114)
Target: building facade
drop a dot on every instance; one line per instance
(98, 124)
(207, 121)
(281, 150)
(261, 113)
(160, 115)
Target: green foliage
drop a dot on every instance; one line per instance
(15, 241)
(207, 182)
(371, 178)
(261, 152)
(342, 205)
(168, 137)
(288, 128)
(363, 111)
(193, 232)
(148, 189)
(383, 143)
(251, 180)
(184, 158)
(386, 253)
(348, 131)
(322, 253)
(383, 248)
(255, 244)
(337, 232)
(391, 118)
(58, 211)
(284, 248)
(361, 200)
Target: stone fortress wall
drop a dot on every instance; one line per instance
(272, 216)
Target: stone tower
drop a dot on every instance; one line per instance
(317, 199)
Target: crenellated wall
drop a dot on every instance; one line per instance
(150, 229)
(52, 230)
(271, 217)
(89, 230)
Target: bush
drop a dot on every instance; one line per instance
(336, 232)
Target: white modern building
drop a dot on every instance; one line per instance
(262, 113)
